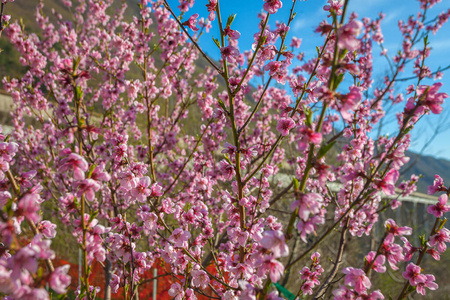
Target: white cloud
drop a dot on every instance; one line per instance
(300, 23)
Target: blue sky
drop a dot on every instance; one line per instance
(310, 13)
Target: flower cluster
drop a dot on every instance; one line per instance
(216, 174)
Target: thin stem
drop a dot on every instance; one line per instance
(323, 288)
(240, 185)
(419, 261)
(187, 160)
(283, 38)
(253, 57)
(167, 6)
(30, 222)
(1, 18)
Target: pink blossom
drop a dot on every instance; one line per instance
(87, 187)
(296, 42)
(440, 208)
(274, 296)
(282, 29)
(115, 283)
(310, 203)
(29, 207)
(176, 291)
(393, 252)
(357, 278)
(429, 283)
(343, 293)
(7, 285)
(308, 136)
(102, 130)
(387, 184)
(191, 22)
(266, 52)
(438, 185)
(156, 190)
(277, 70)
(284, 125)
(378, 265)
(394, 229)
(435, 254)
(238, 235)
(233, 34)
(272, 6)
(274, 267)
(412, 274)
(408, 249)
(334, 6)
(275, 241)
(307, 288)
(431, 98)
(59, 280)
(47, 229)
(25, 292)
(76, 163)
(8, 151)
(211, 9)
(347, 35)
(99, 174)
(141, 190)
(229, 53)
(180, 238)
(227, 170)
(350, 101)
(229, 149)
(200, 279)
(4, 198)
(440, 238)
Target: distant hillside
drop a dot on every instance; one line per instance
(25, 10)
(427, 166)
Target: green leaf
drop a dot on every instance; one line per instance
(443, 221)
(75, 63)
(78, 92)
(230, 20)
(308, 115)
(324, 149)
(284, 291)
(343, 53)
(296, 184)
(338, 81)
(216, 41)
(92, 217)
(227, 159)
(263, 40)
(62, 296)
(221, 103)
(423, 240)
(40, 272)
(91, 170)
(408, 129)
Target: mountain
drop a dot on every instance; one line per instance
(428, 167)
(25, 10)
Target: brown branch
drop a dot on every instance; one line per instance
(167, 6)
(323, 288)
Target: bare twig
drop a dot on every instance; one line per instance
(167, 6)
